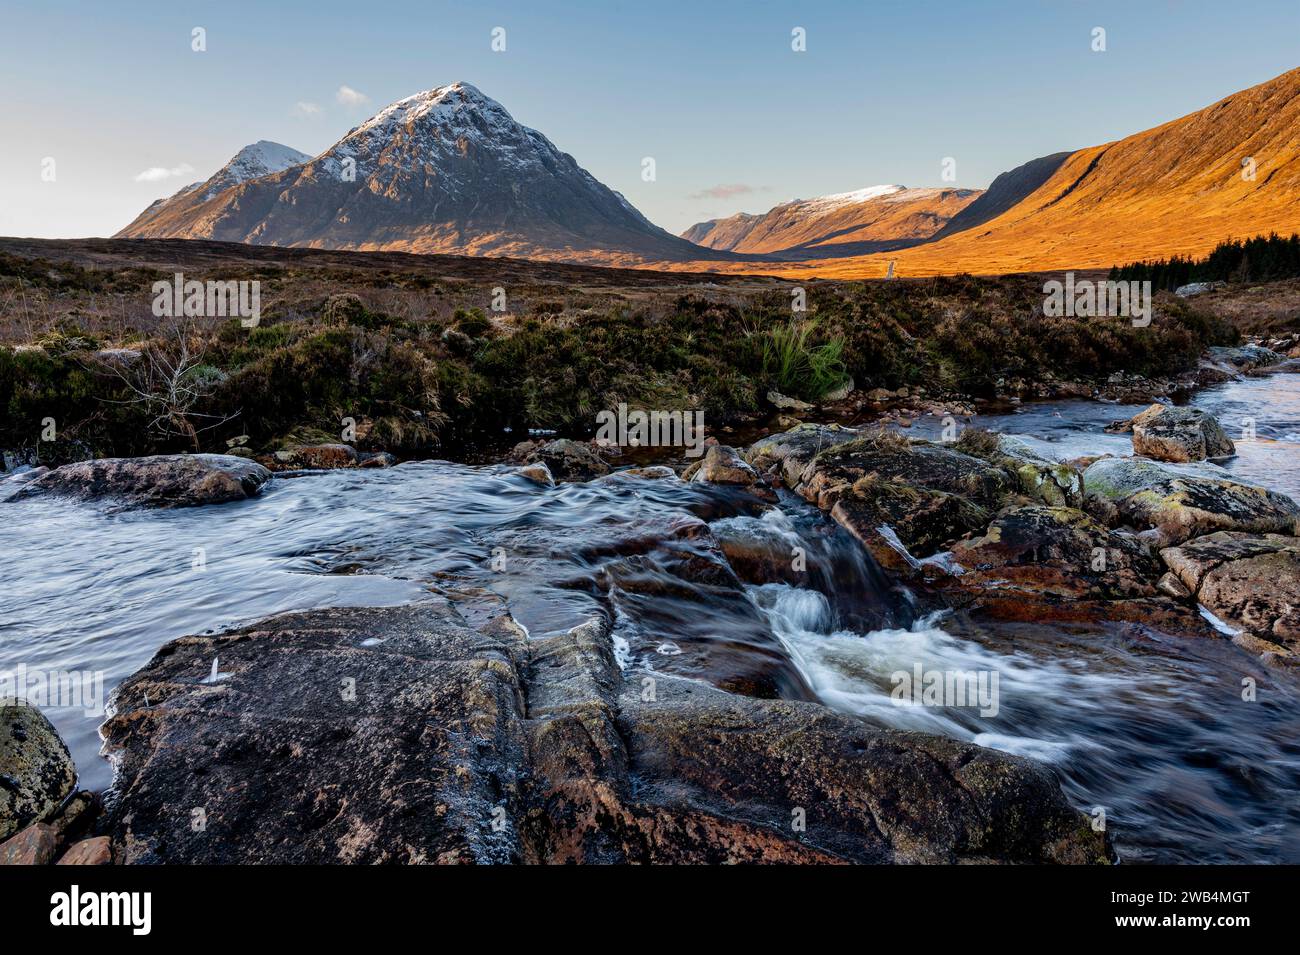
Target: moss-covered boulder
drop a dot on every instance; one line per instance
(1178, 504)
(36, 770)
(1042, 480)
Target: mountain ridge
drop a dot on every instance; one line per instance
(444, 170)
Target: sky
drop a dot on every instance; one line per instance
(734, 118)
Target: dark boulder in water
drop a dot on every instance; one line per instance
(160, 480)
(405, 735)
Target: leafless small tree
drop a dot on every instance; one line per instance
(166, 379)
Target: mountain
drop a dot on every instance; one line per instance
(1176, 189)
(874, 219)
(251, 162)
(446, 170)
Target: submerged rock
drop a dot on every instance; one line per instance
(161, 480)
(446, 743)
(1250, 581)
(36, 771)
(1173, 434)
(1178, 504)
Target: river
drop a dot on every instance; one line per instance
(1147, 727)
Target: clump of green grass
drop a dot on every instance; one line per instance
(798, 366)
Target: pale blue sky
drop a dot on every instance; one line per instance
(710, 88)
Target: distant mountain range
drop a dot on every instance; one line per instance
(446, 170)
(874, 219)
(449, 170)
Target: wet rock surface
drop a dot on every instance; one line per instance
(163, 480)
(36, 770)
(722, 465)
(474, 744)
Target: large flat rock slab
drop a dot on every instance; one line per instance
(475, 744)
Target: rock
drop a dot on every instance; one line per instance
(161, 480)
(96, 851)
(237, 441)
(789, 453)
(537, 472)
(35, 845)
(785, 403)
(36, 770)
(838, 394)
(898, 523)
(722, 465)
(566, 459)
(1173, 434)
(902, 499)
(655, 472)
(1049, 482)
(1181, 503)
(759, 551)
(1198, 288)
(1250, 581)
(77, 815)
(1244, 357)
(317, 457)
(1171, 586)
(479, 745)
(1053, 554)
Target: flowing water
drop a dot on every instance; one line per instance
(1150, 729)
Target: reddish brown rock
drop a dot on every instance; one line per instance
(96, 851)
(35, 845)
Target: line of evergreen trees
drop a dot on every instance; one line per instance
(1261, 259)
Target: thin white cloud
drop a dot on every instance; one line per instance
(350, 97)
(728, 191)
(303, 108)
(159, 173)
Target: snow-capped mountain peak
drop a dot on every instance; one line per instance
(252, 162)
(446, 169)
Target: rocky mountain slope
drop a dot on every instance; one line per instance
(874, 219)
(445, 170)
(254, 160)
